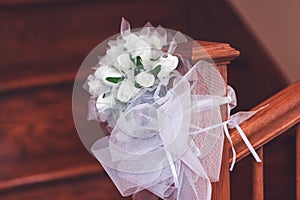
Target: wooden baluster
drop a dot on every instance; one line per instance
(221, 54)
(298, 163)
(221, 189)
(258, 177)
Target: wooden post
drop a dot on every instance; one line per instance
(221, 54)
(298, 163)
(258, 177)
(221, 189)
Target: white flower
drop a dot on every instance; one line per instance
(126, 91)
(104, 72)
(168, 64)
(125, 63)
(130, 40)
(146, 56)
(105, 102)
(135, 43)
(96, 86)
(155, 40)
(145, 79)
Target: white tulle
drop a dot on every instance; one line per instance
(167, 139)
(134, 154)
(186, 123)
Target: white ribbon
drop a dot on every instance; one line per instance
(150, 146)
(173, 169)
(232, 147)
(233, 122)
(245, 139)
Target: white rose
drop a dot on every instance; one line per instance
(156, 41)
(111, 53)
(145, 79)
(125, 63)
(130, 41)
(126, 91)
(104, 72)
(135, 45)
(146, 56)
(96, 86)
(168, 64)
(104, 102)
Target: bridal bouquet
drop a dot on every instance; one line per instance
(160, 115)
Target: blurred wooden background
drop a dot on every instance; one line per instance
(42, 44)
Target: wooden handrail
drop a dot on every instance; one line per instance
(220, 53)
(54, 176)
(282, 113)
(37, 81)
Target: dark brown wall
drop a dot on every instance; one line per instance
(42, 44)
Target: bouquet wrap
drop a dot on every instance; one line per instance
(159, 131)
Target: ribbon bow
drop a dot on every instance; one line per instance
(171, 146)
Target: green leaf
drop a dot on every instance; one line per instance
(154, 59)
(115, 79)
(156, 70)
(139, 65)
(139, 61)
(137, 85)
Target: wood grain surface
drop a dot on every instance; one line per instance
(267, 128)
(282, 113)
(43, 44)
